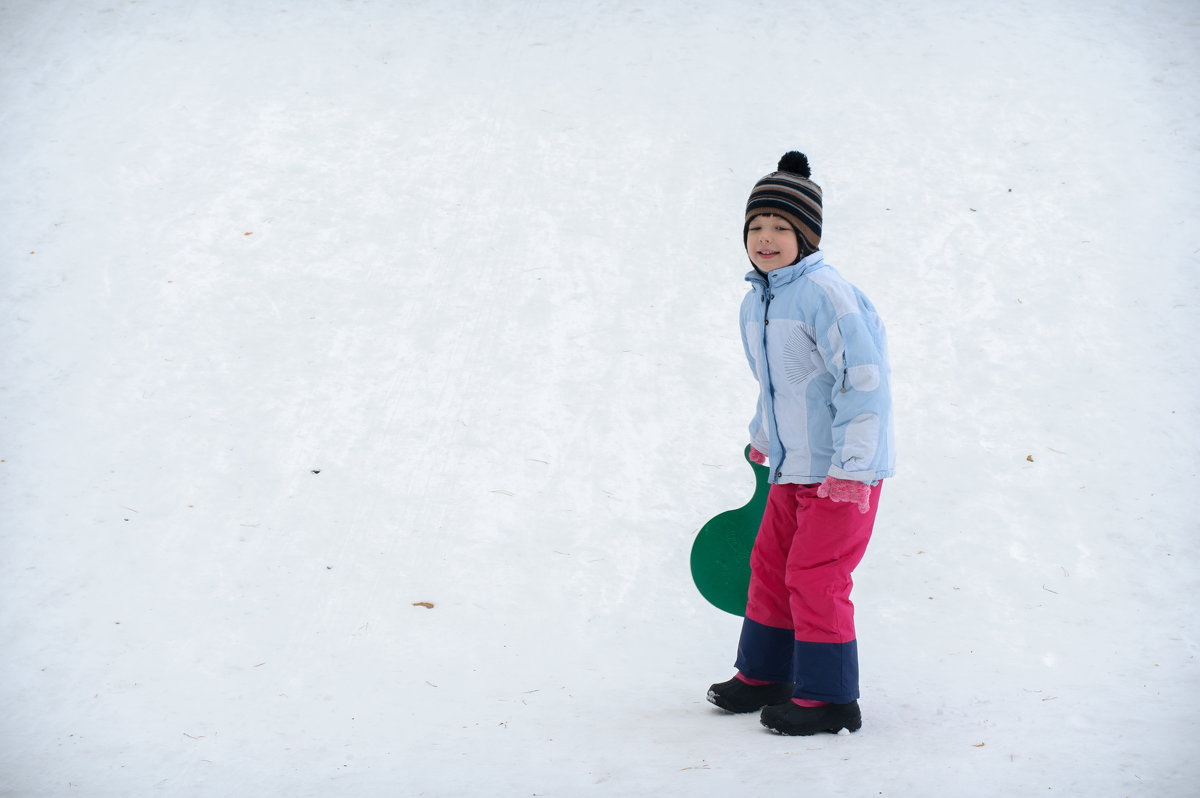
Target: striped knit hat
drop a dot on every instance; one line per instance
(789, 193)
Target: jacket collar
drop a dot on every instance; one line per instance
(788, 273)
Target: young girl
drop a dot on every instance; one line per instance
(824, 424)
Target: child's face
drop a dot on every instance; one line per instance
(771, 243)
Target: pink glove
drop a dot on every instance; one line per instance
(757, 456)
(846, 490)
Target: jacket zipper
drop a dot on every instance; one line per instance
(767, 297)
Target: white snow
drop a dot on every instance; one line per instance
(478, 265)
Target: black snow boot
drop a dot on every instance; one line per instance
(790, 718)
(737, 696)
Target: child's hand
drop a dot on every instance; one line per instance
(757, 456)
(846, 490)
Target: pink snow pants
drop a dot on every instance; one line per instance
(799, 624)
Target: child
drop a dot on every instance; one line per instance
(824, 423)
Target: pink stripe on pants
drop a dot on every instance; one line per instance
(803, 557)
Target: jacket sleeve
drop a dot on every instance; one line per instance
(854, 351)
(759, 438)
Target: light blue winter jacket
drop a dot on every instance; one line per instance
(819, 352)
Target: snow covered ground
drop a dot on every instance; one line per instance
(317, 312)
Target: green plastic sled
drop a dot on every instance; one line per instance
(721, 552)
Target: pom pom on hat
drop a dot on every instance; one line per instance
(791, 195)
(796, 163)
